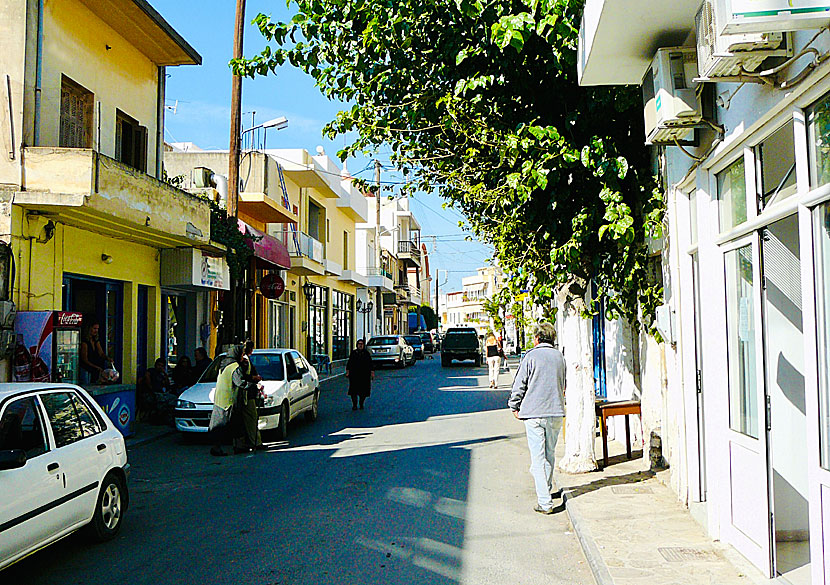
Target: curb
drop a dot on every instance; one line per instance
(589, 546)
(139, 442)
(332, 377)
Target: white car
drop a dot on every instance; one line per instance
(63, 466)
(291, 387)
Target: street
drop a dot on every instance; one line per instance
(428, 485)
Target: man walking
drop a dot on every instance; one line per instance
(538, 399)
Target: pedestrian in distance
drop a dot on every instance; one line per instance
(360, 371)
(494, 354)
(250, 439)
(224, 421)
(537, 399)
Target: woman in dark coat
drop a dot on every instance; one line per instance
(360, 371)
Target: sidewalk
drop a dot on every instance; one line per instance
(634, 531)
(144, 433)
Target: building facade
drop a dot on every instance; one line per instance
(742, 399)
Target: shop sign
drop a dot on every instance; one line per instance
(212, 273)
(272, 286)
(64, 319)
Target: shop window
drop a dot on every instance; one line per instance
(775, 160)
(130, 141)
(819, 132)
(732, 195)
(740, 315)
(342, 304)
(318, 322)
(76, 115)
(822, 239)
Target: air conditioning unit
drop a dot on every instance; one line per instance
(724, 55)
(672, 105)
(201, 177)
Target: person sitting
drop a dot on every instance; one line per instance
(202, 363)
(183, 374)
(156, 397)
(93, 359)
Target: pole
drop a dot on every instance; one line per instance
(377, 245)
(236, 114)
(437, 308)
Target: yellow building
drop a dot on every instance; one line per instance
(92, 227)
(313, 218)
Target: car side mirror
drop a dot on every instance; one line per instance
(12, 459)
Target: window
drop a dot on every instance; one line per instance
(21, 427)
(822, 239)
(269, 366)
(302, 367)
(345, 250)
(66, 425)
(740, 316)
(89, 422)
(315, 221)
(342, 320)
(775, 158)
(130, 141)
(819, 132)
(318, 322)
(290, 366)
(76, 115)
(732, 195)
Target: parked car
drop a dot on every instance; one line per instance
(291, 388)
(417, 345)
(391, 349)
(427, 341)
(461, 343)
(63, 466)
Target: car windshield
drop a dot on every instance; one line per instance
(268, 365)
(383, 341)
(212, 371)
(412, 339)
(425, 337)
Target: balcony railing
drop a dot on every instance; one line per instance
(409, 247)
(301, 244)
(408, 290)
(379, 272)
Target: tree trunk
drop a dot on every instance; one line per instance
(580, 422)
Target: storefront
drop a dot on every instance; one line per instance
(342, 315)
(317, 323)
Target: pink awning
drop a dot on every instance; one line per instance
(268, 250)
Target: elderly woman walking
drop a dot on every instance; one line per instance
(360, 371)
(224, 422)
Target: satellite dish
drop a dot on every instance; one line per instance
(321, 151)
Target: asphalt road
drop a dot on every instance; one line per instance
(428, 485)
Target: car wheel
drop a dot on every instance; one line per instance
(282, 427)
(402, 362)
(311, 414)
(109, 509)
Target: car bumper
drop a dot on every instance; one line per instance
(192, 420)
(386, 359)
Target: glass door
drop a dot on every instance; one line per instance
(748, 515)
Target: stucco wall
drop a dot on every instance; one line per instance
(12, 59)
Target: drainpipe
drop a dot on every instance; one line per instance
(162, 83)
(38, 71)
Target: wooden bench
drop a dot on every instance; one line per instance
(605, 410)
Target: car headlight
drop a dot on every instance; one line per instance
(270, 400)
(184, 404)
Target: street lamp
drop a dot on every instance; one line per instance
(308, 291)
(365, 310)
(280, 123)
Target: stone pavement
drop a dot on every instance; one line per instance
(634, 531)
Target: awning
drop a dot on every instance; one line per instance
(268, 250)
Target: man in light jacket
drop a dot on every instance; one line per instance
(538, 400)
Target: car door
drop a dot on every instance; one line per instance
(30, 513)
(294, 381)
(306, 396)
(84, 455)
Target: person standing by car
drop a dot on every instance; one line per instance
(360, 371)
(249, 439)
(224, 422)
(494, 354)
(538, 400)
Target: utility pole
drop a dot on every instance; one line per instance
(236, 114)
(381, 310)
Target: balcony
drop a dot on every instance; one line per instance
(407, 294)
(92, 191)
(618, 38)
(380, 278)
(409, 253)
(354, 277)
(307, 254)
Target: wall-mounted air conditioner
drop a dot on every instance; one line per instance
(202, 177)
(722, 55)
(672, 105)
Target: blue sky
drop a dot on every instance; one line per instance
(201, 96)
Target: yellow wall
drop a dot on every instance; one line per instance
(40, 268)
(75, 44)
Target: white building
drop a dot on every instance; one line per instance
(465, 308)
(741, 393)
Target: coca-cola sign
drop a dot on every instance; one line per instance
(64, 319)
(272, 286)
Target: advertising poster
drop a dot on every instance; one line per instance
(33, 346)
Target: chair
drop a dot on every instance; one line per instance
(321, 362)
